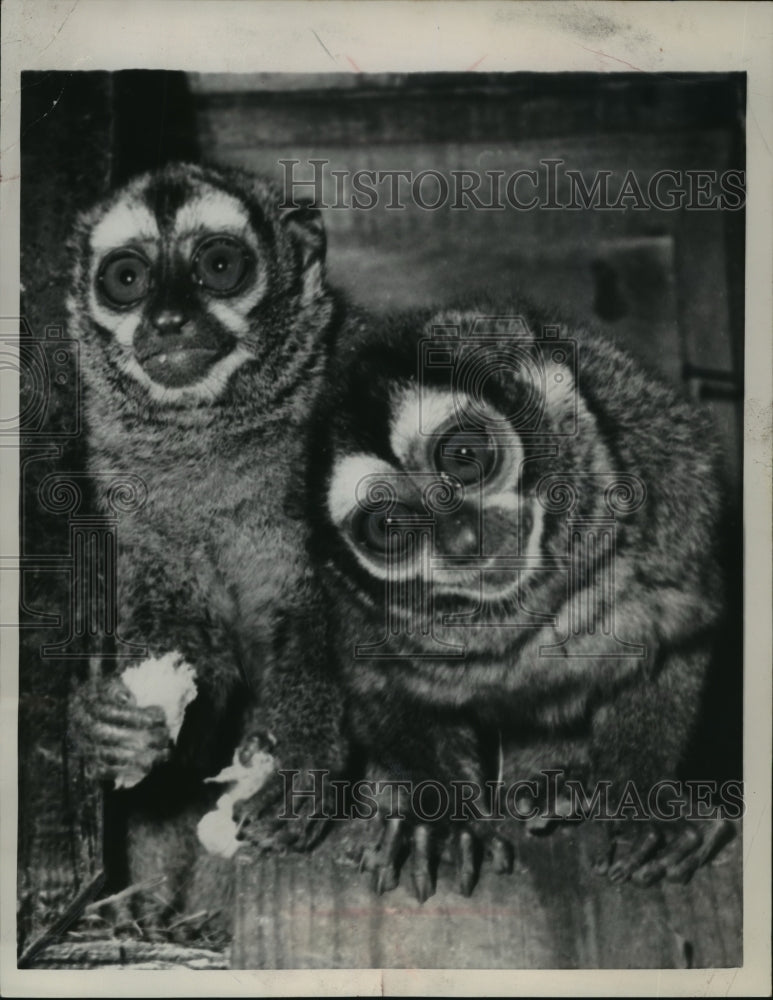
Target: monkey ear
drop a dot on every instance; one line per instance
(304, 223)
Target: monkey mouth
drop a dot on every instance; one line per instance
(180, 366)
(484, 585)
(480, 586)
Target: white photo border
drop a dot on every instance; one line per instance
(247, 36)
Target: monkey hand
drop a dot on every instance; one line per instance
(401, 834)
(646, 852)
(117, 739)
(463, 844)
(291, 809)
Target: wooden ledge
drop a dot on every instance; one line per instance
(307, 912)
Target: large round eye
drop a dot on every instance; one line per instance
(371, 529)
(220, 264)
(124, 277)
(470, 456)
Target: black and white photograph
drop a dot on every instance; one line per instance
(388, 435)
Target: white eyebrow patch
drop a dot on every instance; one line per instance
(346, 483)
(125, 326)
(232, 319)
(560, 389)
(124, 223)
(215, 211)
(420, 412)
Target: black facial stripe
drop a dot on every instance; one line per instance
(261, 226)
(301, 376)
(165, 196)
(365, 413)
(257, 220)
(606, 426)
(174, 288)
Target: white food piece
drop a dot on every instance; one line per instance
(217, 832)
(216, 829)
(167, 681)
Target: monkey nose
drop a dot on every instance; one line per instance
(168, 320)
(458, 535)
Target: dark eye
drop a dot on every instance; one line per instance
(371, 529)
(470, 456)
(124, 277)
(220, 264)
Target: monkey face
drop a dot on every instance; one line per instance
(184, 270)
(162, 298)
(448, 510)
(433, 483)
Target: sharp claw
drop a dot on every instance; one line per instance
(466, 884)
(392, 841)
(634, 864)
(386, 879)
(606, 849)
(391, 846)
(466, 866)
(618, 872)
(422, 886)
(368, 861)
(683, 872)
(648, 874)
(383, 860)
(310, 835)
(719, 834)
(421, 863)
(699, 848)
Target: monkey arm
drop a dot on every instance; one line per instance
(298, 715)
